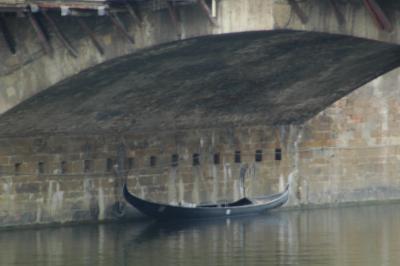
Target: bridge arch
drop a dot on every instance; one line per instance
(19, 73)
(241, 78)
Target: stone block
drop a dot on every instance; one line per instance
(33, 187)
(146, 181)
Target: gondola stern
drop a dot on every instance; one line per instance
(148, 208)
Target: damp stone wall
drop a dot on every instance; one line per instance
(59, 179)
(349, 153)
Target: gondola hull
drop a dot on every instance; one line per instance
(165, 211)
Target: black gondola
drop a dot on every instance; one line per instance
(243, 206)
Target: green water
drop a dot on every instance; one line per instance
(368, 235)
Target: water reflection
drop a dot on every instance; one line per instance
(347, 236)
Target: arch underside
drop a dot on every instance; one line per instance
(268, 78)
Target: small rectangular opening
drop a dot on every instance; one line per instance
(238, 158)
(217, 158)
(87, 166)
(174, 160)
(17, 168)
(130, 163)
(109, 165)
(196, 159)
(259, 156)
(153, 161)
(278, 154)
(40, 168)
(63, 167)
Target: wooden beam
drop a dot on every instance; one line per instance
(9, 39)
(120, 27)
(40, 33)
(63, 39)
(203, 5)
(377, 14)
(174, 17)
(72, 5)
(91, 35)
(338, 14)
(298, 11)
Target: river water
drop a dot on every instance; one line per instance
(367, 235)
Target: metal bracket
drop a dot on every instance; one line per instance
(338, 14)
(174, 17)
(377, 14)
(206, 9)
(91, 34)
(41, 34)
(299, 12)
(120, 26)
(60, 35)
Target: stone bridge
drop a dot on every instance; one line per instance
(186, 96)
(333, 37)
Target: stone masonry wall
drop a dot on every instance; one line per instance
(347, 153)
(44, 179)
(351, 151)
(30, 70)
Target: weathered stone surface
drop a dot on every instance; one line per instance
(359, 159)
(78, 196)
(28, 188)
(241, 79)
(31, 71)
